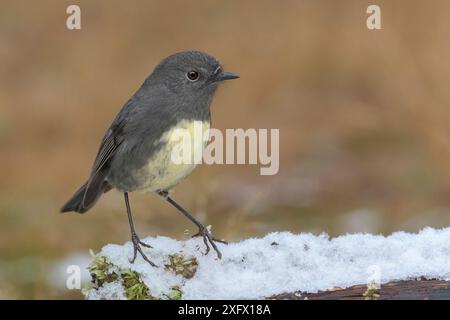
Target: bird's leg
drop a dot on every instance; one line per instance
(137, 243)
(202, 230)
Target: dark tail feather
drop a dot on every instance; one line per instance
(86, 196)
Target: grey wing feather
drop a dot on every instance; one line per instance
(108, 147)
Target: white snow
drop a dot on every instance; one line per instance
(109, 291)
(286, 262)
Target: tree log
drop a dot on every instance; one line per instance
(421, 289)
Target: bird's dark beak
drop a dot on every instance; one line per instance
(226, 75)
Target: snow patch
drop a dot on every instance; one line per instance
(285, 262)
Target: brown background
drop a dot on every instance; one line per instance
(363, 118)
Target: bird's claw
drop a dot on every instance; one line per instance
(137, 243)
(206, 235)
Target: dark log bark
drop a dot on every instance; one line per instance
(400, 290)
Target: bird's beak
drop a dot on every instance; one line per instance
(226, 75)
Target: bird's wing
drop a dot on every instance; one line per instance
(111, 141)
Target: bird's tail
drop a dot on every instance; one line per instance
(86, 196)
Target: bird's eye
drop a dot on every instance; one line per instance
(192, 75)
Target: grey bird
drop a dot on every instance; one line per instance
(135, 153)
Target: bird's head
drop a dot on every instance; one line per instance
(191, 73)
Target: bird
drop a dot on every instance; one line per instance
(135, 152)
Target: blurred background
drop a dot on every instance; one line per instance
(363, 118)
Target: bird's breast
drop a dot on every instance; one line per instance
(181, 149)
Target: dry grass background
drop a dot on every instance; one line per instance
(363, 118)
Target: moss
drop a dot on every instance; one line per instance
(135, 288)
(101, 271)
(175, 293)
(371, 292)
(185, 267)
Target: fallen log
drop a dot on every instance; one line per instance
(421, 289)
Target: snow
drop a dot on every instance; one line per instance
(285, 262)
(110, 291)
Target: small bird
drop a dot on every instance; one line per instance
(135, 153)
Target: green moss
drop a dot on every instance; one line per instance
(175, 293)
(101, 271)
(135, 288)
(371, 292)
(185, 267)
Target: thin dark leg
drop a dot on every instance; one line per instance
(202, 230)
(137, 243)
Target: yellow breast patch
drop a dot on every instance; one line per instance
(182, 151)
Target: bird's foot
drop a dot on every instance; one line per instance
(163, 194)
(207, 238)
(137, 243)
